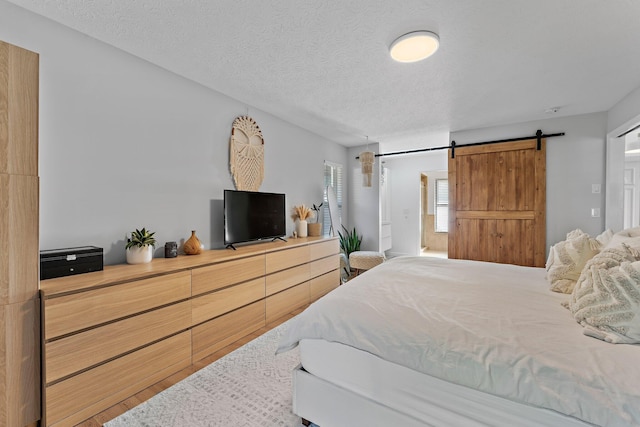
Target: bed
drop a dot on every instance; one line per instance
(421, 341)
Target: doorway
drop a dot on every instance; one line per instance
(622, 209)
(434, 214)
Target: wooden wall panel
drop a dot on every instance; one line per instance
(19, 84)
(20, 363)
(19, 256)
(19, 224)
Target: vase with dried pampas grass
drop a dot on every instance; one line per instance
(301, 214)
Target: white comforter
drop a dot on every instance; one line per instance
(492, 327)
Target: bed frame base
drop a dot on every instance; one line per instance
(328, 405)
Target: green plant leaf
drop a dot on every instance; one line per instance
(349, 241)
(140, 238)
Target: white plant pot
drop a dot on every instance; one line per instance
(137, 255)
(301, 228)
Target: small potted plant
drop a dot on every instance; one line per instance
(315, 228)
(140, 246)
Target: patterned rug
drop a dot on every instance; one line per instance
(249, 387)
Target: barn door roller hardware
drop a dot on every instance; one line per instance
(538, 136)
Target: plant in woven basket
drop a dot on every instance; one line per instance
(349, 241)
(316, 209)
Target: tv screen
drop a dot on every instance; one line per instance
(250, 215)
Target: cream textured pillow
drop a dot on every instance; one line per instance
(606, 299)
(629, 237)
(567, 259)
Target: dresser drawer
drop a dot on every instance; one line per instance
(325, 265)
(74, 312)
(83, 350)
(324, 284)
(282, 280)
(206, 279)
(286, 301)
(324, 249)
(287, 258)
(212, 305)
(75, 399)
(211, 336)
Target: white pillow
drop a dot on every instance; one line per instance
(629, 237)
(605, 237)
(606, 298)
(567, 259)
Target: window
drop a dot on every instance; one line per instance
(442, 205)
(332, 178)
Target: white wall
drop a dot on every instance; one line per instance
(574, 162)
(628, 108)
(125, 144)
(364, 209)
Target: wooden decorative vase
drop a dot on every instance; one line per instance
(193, 246)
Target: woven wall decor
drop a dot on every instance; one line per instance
(246, 154)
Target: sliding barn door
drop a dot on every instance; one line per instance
(497, 203)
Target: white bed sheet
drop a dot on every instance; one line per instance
(422, 397)
(492, 327)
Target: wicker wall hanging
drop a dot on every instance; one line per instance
(246, 154)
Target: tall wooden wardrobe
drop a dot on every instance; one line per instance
(19, 256)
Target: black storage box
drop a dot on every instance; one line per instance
(68, 261)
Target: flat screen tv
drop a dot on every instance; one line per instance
(251, 215)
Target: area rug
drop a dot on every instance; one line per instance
(250, 386)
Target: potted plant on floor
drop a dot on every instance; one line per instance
(140, 246)
(349, 242)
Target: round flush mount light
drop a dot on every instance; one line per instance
(414, 46)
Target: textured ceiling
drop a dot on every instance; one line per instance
(324, 65)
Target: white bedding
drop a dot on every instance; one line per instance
(492, 327)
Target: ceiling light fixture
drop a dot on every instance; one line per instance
(414, 46)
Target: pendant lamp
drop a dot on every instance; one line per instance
(367, 159)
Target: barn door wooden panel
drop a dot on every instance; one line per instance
(497, 203)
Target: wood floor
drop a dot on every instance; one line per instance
(122, 407)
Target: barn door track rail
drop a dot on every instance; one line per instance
(538, 136)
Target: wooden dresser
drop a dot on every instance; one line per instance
(109, 334)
